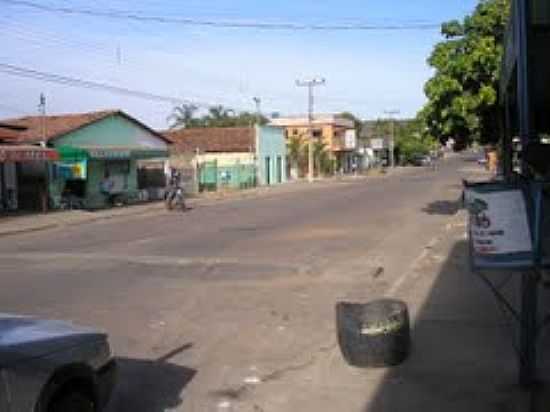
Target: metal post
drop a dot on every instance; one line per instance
(529, 281)
(258, 103)
(310, 84)
(390, 114)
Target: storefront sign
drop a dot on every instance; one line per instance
(377, 144)
(109, 153)
(26, 154)
(499, 223)
(351, 139)
(73, 170)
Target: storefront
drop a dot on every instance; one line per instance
(23, 177)
(95, 178)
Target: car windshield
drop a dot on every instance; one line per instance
(243, 205)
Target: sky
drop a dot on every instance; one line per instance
(366, 72)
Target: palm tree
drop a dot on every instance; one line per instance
(320, 155)
(295, 152)
(183, 116)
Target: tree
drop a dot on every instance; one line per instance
(183, 116)
(295, 150)
(321, 157)
(463, 93)
(216, 116)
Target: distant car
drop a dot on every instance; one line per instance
(53, 366)
(421, 160)
(482, 161)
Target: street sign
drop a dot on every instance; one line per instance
(351, 139)
(377, 144)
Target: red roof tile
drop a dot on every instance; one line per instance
(58, 125)
(213, 139)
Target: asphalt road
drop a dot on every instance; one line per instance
(201, 305)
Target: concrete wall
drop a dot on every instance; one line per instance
(270, 143)
(227, 159)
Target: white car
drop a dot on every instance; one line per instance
(53, 366)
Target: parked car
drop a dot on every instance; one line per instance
(482, 161)
(53, 366)
(421, 160)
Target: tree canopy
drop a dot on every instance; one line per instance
(187, 116)
(463, 93)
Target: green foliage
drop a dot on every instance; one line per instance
(323, 163)
(463, 93)
(295, 149)
(358, 123)
(411, 142)
(217, 116)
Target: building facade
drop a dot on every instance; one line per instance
(100, 157)
(23, 172)
(335, 132)
(231, 157)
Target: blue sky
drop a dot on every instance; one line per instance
(367, 72)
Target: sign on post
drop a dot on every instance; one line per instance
(499, 226)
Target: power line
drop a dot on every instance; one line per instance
(88, 84)
(128, 15)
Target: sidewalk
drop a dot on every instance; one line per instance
(462, 357)
(11, 225)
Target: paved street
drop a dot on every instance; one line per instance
(201, 305)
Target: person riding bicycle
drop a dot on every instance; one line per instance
(175, 192)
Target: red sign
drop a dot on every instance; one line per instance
(26, 154)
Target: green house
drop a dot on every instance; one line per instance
(105, 158)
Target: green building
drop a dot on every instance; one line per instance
(105, 158)
(232, 157)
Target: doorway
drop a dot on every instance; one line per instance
(267, 170)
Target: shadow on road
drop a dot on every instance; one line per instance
(462, 357)
(150, 385)
(443, 207)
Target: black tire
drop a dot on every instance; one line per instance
(72, 402)
(375, 334)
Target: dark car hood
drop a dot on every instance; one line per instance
(26, 337)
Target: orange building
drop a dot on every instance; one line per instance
(337, 132)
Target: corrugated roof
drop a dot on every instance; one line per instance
(213, 139)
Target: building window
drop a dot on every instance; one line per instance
(317, 133)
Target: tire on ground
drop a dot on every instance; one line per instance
(72, 402)
(375, 334)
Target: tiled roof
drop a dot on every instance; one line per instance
(213, 139)
(58, 125)
(10, 132)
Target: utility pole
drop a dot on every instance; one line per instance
(258, 102)
(310, 84)
(45, 191)
(390, 114)
(42, 111)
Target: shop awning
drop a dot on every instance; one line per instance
(26, 153)
(110, 153)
